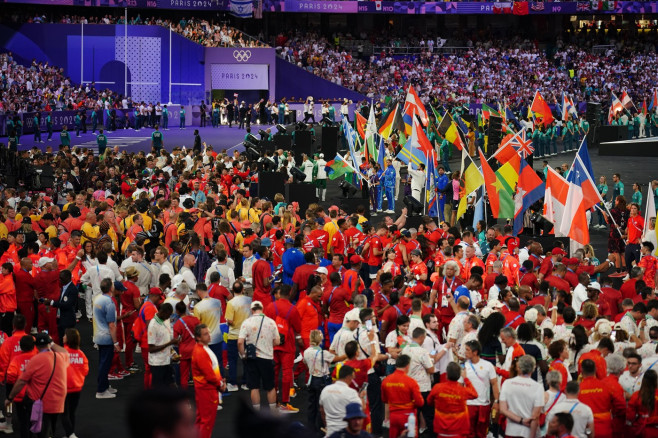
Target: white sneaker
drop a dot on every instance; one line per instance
(138, 349)
(73, 436)
(106, 394)
(232, 388)
(6, 427)
(219, 407)
(112, 390)
(244, 387)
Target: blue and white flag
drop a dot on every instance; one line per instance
(242, 8)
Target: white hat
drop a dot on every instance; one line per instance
(255, 304)
(486, 312)
(353, 315)
(603, 327)
(495, 304)
(43, 261)
(322, 270)
(594, 285)
(530, 315)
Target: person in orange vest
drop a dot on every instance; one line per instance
(449, 399)
(601, 399)
(402, 395)
(598, 356)
(16, 367)
(207, 381)
(75, 378)
(561, 425)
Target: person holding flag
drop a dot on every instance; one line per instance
(388, 184)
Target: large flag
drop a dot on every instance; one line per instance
(568, 108)
(521, 143)
(615, 107)
(371, 132)
(351, 137)
(488, 111)
(381, 152)
(555, 199)
(242, 8)
(361, 123)
(574, 223)
(386, 127)
(449, 130)
(430, 186)
(654, 100)
(582, 175)
(420, 140)
(509, 115)
(471, 181)
(541, 109)
(500, 198)
(529, 190)
(479, 212)
(626, 100)
(410, 155)
(644, 108)
(337, 167)
(413, 106)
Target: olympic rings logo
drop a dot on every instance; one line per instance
(242, 55)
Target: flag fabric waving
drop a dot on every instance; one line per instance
(361, 123)
(386, 127)
(529, 190)
(381, 152)
(410, 155)
(650, 211)
(471, 181)
(615, 107)
(626, 100)
(654, 100)
(555, 199)
(541, 109)
(337, 167)
(500, 199)
(430, 186)
(413, 105)
(522, 144)
(582, 175)
(449, 130)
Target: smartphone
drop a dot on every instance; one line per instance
(433, 352)
(364, 387)
(369, 325)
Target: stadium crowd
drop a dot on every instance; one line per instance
(486, 68)
(202, 31)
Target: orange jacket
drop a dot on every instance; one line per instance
(636, 408)
(310, 314)
(603, 401)
(16, 368)
(401, 392)
(77, 370)
(450, 410)
(599, 361)
(8, 350)
(203, 373)
(7, 293)
(558, 365)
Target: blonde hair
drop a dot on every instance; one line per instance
(315, 337)
(590, 311)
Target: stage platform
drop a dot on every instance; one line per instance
(641, 147)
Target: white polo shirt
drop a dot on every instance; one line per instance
(333, 399)
(522, 395)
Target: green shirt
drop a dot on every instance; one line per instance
(36, 123)
(65, 138)
(637, 198)
(182, 113)
(156, 138)
(101, 140)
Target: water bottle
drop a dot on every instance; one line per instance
(411, 425)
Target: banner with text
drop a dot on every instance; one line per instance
(239, 76)
(194, 5)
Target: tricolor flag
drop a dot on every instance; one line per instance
(529, 189)
(387, 125)
(430, 186)
(555, 199)
(654, 100)
(449, 130)
(626, 100)
(471, 180)
(615, 107)
(581, 174)
(413, 105)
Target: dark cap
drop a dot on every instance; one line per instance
(42, 339)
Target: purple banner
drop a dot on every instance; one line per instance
(464, 7)
(59, 118)
(194, 5)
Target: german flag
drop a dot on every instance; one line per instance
(387, 126)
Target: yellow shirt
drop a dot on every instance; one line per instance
(237, 310)
(148, 222)
(4, 232)
(331, 228)
(51, 231)
(125, 224)
(90, 231)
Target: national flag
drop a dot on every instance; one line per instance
(654, 100)
(521, 8)
(582, 6)
(471, 181)
(509, 115)
(645, 111)
(488, 111)
(573, 110)
(541, 109)
(574, 223)
(361, 123)
(448, 129)
(522, 144)
(529, 189)
(351, 137)
(626, 100)
(582, 175)
(413, 105)
(507, 154)
(381, 153)
(386, 126)
(500, 199)
(410, 155)
(615, 107)
(241, 8)
(371, 132)
(479, 212)
(462, 125)
(420, 140)
(337, 167)
(564, 110)
(430, 186)
(555, 199)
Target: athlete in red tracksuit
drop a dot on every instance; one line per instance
(140, 328)
(207, 381)
(402, 394)
(184, 329)
(11, 345)
(604, 402)
(449, 399)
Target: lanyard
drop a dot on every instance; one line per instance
(443, 286)
(476, 373)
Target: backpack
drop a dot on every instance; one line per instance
(282, 323)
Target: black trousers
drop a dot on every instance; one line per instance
(162, 375)
(68, 417)
(375, 400)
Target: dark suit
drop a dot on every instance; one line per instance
(66, 309)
